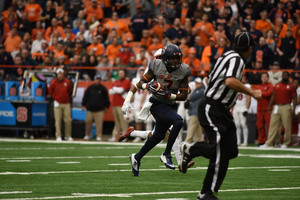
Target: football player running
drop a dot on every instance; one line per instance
(164, 78)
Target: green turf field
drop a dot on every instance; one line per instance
(37, 169)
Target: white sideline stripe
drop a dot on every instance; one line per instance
(93, 157)
(67, 162)
(143, 170)
(18, 160)
(63, 148)
(279, 170)
(77, 142)
(86, 195)
(37, 148)
(126, 144)
(119, 164)
(16, 192)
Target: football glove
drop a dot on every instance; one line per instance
(153, 87)
(126, 107)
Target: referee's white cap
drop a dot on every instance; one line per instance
(243, 41)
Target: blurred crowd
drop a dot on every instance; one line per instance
(99, 36)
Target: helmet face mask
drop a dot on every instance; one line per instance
(171, 56)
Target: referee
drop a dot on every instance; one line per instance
(223, 84)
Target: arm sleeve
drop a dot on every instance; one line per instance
(106, 98)
(269, 92)
(85, 97)
(51, 88)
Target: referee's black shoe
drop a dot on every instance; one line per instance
(185, 158)
(207, 196)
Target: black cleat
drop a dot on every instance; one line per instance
(185, 158)
(207, 196)
(135, 165)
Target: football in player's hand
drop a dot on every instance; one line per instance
(157, 86)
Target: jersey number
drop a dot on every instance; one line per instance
(169, 82)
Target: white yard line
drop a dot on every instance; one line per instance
(67, 162)
(142, 170)
(15, 192)
(119, 164)
(128, 195)
(12, 161)
(279, 170)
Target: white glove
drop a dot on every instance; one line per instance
(126, 106)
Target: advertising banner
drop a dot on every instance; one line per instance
(7, 114)
(39, 114)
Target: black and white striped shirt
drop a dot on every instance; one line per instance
(230, 64)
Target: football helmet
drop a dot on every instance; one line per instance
(171, 56)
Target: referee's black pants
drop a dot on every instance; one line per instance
(221, 145)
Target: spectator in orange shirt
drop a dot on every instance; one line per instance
(6, 13)
(54, 27)
(194, 63)
(38, 28)
(220, 32)
(94, 10)
(218, 51)
(184, 48)
(280, 28)
(13, 41)
(154, 46)
(112, 50)
(204, 29)
(8, 24)
(97, 46)
(207, 53)
(264, 24)
(146, 39)
(59, 51)
(114, 23)
(160, 28)
(184, 12)
(33, 11)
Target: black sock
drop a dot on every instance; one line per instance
(150, 143)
